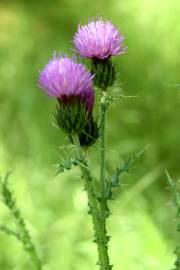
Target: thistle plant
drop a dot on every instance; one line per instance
(73, 87)
(98, 41)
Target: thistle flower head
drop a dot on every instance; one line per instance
(65, 79)
(98, 39)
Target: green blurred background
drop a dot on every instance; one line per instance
(142, 224)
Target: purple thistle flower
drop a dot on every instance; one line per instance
(98, 39)
(65, 79)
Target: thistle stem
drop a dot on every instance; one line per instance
(28, 245)
(94, 210)
(104, 210)
(103, 145)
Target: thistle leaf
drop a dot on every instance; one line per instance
(176, 198)
(66, 165)
(115, 96)
(115, 180)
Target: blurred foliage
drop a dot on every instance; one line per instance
(142, 223)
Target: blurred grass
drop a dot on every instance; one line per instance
(142, 223)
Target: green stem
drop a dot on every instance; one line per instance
(100, 237)
(28, 245)
(103, 146)
(103, 200)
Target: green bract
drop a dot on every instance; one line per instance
(71, 117)
(90, 133)
(105, 74)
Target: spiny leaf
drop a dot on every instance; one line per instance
(176, 196)
(175, 189)
(67, 165)
(116, 95)
(6, 192)
(115, 180)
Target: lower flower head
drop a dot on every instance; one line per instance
(65, 79)
(98, 39)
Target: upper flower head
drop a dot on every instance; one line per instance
(65, 79)
(98, 39)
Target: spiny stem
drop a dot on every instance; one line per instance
(103, 144)
(27, 241)
(103, 200)
(95, 212)
(23, 234)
